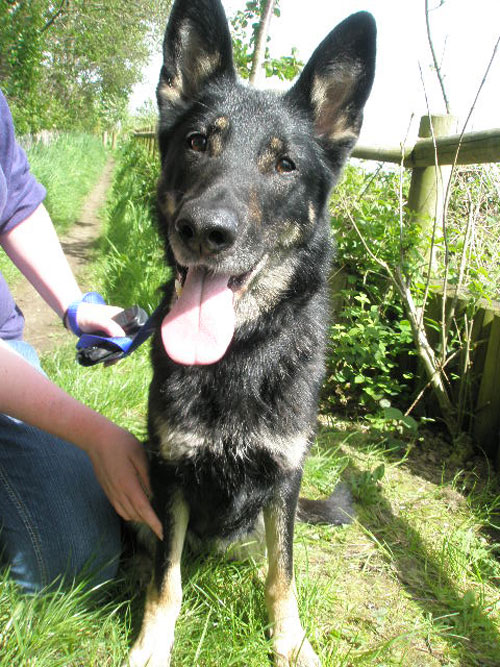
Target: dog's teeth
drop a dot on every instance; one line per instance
(178, 287)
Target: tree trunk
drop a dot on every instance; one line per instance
(266, 13)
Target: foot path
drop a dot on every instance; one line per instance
(44, 329)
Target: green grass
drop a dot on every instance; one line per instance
(130, 268)
(414, 580)
(68, 168)
(60, 628)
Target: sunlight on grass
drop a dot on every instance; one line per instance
(68, 168)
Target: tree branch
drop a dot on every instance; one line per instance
(437, 66)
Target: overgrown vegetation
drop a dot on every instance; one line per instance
(130, 213)
(68, 168)
(413, 581)
(473, 229)
(73, 64)
(382, 253)
(370, 335)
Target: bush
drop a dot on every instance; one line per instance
(371, 342)
(370, 336)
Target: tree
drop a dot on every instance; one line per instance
(250, 29)
(267, 9)
(73, 63)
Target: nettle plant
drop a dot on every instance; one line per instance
(370, 336)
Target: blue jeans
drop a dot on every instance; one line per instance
(56, 523)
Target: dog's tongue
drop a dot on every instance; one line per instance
(200, 325)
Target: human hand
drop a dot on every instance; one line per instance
(120, 464)
(118, 458)
(92, 317)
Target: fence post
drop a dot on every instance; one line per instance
(428, 184)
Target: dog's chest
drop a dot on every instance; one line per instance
(241, 439)
(225, 492)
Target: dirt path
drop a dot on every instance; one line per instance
(44, 329)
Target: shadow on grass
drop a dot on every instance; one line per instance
(459, 618)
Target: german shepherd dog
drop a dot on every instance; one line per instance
(238, 354)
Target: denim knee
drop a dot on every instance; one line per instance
(56, 522)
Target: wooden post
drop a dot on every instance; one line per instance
(487, 413)
(428, 184)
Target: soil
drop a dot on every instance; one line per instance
(44, 329)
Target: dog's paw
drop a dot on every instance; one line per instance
(301, 655)
(144, 655)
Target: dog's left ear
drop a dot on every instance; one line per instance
(337, 80)
(197, 47)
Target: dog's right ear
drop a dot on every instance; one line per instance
(336, 82)
(197, 47)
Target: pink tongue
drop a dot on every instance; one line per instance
(200, 325)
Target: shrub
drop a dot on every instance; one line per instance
(370, 335)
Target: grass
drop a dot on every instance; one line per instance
(68, 168)
(60, 628)
(414, 580)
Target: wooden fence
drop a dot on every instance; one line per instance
(431, 159)
(148, 136)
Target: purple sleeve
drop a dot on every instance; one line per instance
(20, 193)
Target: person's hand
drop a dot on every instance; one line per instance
(118, 458)
(94, 317)
(121, 467)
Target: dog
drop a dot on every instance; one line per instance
(238, 351)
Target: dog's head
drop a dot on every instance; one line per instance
(246, 174)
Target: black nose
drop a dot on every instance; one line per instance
(207, 232)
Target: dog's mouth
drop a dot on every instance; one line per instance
(200, 326)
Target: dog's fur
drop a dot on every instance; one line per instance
(243, 193)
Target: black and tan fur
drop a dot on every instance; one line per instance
(244, 188)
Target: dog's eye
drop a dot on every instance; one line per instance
(285, 165)
(197, 142)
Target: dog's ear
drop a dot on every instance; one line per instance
(197, 46)
(336, 82)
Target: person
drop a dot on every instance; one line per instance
(68, 475)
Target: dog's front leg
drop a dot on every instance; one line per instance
(164, 595)
(290, 645)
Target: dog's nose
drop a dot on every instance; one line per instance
(207, 231)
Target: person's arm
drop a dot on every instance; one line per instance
(118, 457)
(34, 247)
